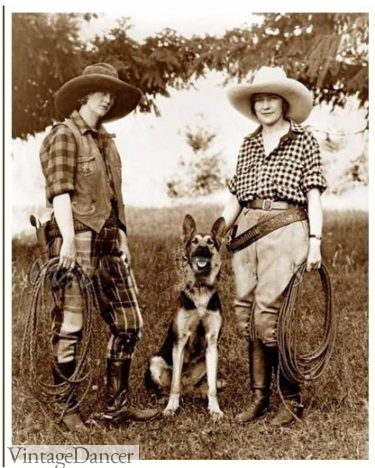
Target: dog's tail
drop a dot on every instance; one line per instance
(149, 382)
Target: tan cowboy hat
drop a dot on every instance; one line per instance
(273, 80)
(98, 77)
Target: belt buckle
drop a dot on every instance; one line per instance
(267, 205)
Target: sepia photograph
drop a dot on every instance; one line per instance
(189, 192)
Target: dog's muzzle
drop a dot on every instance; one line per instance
(201, 260)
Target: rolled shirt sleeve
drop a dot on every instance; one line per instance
(58, 159)
(313, 173)
(242, 154)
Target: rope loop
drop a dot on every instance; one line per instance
(297, 367)
(61, 397)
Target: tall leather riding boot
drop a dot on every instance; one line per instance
(291, 408)
(71, 418)
(117, 394)
(260, 381)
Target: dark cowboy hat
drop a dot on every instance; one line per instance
(98, 77)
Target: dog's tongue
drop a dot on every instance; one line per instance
(201, 262)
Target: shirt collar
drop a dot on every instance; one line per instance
(255, 133)
(84, 127)
(294, 130)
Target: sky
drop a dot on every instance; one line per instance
(186, 21)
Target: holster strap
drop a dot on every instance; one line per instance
(265, 227)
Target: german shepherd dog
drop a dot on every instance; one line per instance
(189, 351)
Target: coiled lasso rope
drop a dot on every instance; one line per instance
(300, 368)
(60, 397)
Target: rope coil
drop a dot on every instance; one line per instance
(60, 397)
(300, 368)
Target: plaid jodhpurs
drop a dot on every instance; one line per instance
(98, 256)
(263, 271)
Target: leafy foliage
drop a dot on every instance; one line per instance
(154, 65)
(46, 53)
(202, 172)
(326, 51)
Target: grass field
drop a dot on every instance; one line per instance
(336, 419)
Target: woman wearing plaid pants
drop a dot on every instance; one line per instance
(82, 169)
(279, 167)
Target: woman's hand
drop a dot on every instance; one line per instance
(231, 212)
(124, 247)
(68, 253)
(314, 257)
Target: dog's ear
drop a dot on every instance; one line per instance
(188, 227)
(218, 229)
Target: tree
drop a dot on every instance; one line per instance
(46, 53)
(326, 51)
(154, 65)
(202, 172)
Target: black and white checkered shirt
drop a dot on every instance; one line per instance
(287, 173)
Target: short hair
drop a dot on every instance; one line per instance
(83, 100)
(285, 104)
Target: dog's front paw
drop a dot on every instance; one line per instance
(217, 414)
(169, 413)
(214, 409)
(172, 407)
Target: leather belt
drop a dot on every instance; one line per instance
(53, 231)
(268, 205)
(265, 227)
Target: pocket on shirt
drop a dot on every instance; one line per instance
(86, 165)
(83, 206)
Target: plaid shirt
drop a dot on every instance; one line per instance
(58, 155)
(287, 173)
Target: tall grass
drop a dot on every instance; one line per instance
(336, 419)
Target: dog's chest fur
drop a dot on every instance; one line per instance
(197, 304)
(201, 299)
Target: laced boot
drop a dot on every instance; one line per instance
(71, 418)
(260, 381)
(291, 407)
(117, 395)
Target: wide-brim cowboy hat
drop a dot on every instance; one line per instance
(98, 77)
(273, 80)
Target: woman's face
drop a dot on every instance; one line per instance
(99, 102)
(268, 108)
